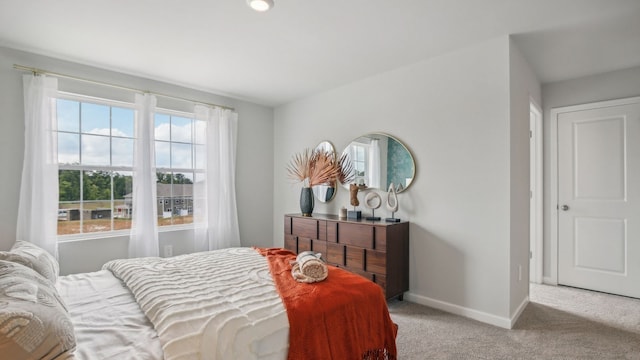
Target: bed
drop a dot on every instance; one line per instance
(238, 303)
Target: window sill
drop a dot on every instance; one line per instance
(120, 233)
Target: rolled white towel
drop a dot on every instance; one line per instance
(309, 267)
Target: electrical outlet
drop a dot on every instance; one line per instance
(168, 250)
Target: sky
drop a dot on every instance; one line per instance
(102, 135)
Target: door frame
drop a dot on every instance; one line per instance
(553, 174)
(536, 262)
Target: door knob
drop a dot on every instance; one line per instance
(564, 207)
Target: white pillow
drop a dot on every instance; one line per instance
(34, 322)
(35, 257)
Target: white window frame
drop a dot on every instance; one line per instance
(125, 232)
(173, 170)
(98, 234)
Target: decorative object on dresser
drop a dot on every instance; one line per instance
(312, 168)
(353, 200)
(392, 203)
(373, 201)
(306, 201)
(378, 251)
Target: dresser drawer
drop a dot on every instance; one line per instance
(309, 228)
(319, 246)
(355, 258)
(380, 280)
(304, 244)
(291, 243)
(376, 262)
(335, 254)
(380, 242)
(356, 235)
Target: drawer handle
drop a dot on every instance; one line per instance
(364, 259)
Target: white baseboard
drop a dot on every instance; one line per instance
(481, 316)
(519, 310)
(549, 281)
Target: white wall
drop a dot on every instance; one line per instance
(524, 87)
(453, 113)
(608, 86)
(254, 171)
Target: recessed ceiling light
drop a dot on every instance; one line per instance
(260, 5)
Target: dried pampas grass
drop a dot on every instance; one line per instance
(316, 167)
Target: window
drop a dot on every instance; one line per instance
(95, 155)
(179, 144)
(359, 159)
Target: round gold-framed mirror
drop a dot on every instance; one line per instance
(379, 160)
(325, 192)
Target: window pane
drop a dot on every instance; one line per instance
(181, 129)
(163, 197)
(175, 198)
(122, 185)
(183, 178)
(95, 119)
(95, 150)
(122, 152)
(182, 198)
(69, 202)
(69, 186)
(96, 205)
(96, 185)
(181, 156)
(164, 178)
(122, 203)
(68, 148)
(122, 121)
(162, 127)
(163, 154)
(68, 115)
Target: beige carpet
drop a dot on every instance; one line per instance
(558, 323)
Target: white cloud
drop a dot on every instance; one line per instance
(95, 147)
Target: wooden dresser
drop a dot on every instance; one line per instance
(377, 250)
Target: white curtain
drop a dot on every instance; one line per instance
(374, 164)
(143, 240)
(38, 207)
(215, 207)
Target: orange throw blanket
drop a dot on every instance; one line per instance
(343, 317)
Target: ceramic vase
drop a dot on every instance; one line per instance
(306, 201)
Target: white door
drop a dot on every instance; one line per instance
(599, 198)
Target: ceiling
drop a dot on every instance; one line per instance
(302, 47)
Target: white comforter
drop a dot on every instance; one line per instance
(211, 305)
